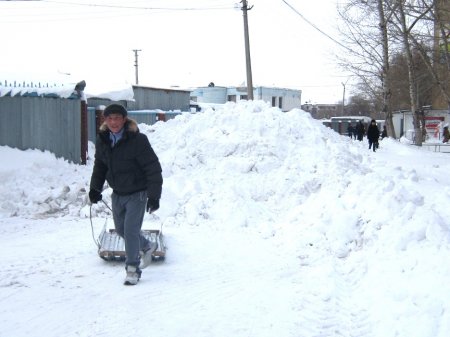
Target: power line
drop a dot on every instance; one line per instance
(102, 11)
(138, 7)
(315, 27)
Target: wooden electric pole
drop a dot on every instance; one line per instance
(136, 65)
(247, 51)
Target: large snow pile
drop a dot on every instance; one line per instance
(329, 238)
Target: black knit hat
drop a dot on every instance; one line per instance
(115, 109)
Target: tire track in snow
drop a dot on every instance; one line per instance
(331, 309)
(213, 283)
(223, 300)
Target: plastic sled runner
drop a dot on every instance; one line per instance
(112, 246)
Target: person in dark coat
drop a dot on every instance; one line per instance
(360, 130)
(373, 134)
(384, 133)
(445, 135)
(350, 130)
(126, 160)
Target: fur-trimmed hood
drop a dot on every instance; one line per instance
(130, 126)
(129, 166)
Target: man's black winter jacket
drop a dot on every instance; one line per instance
(373, 133)
(128, 167)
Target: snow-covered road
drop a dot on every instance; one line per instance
(267, 235)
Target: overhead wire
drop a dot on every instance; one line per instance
(314, 26)
(102, 11)
(137, 7)
(111, 7)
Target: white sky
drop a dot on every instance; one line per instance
(186, 48)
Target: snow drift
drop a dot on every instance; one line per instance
(360, 240)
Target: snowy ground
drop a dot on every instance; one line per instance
(275, 226)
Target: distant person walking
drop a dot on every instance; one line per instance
(360, 130)
(350, 130)
(373, 134)
(384, 132)
(445, 135)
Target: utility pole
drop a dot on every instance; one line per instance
(247, 51)
(136, 64)
(343, 96)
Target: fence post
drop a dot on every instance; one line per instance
(84, 131)
(79, 89)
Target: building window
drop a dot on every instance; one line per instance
(274, 101)
(231, 98)
(280, 102)
(243, 97)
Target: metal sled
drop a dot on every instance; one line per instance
(112, 246)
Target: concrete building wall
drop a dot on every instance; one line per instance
(285, 99)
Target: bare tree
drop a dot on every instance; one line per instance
(398, 75)
(387, 90)
(406, 29)
(437, 61)
(404, 19)
(366, 31)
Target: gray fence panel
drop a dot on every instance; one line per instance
(152, 98)
(51, 124)
(146, 117)
(10, 120)
(92, 133)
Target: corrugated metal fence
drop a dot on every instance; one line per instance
(54, 124)
(164, 99)
(43, 123)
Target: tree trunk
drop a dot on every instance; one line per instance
(411, 73)
(387, 107)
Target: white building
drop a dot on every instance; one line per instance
(434, 123)
(285, 99)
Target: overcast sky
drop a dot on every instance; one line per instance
(185, 43)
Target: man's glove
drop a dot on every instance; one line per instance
(95, 196)
(152, 205)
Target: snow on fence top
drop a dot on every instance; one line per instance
(60, 85)
(30, 88)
